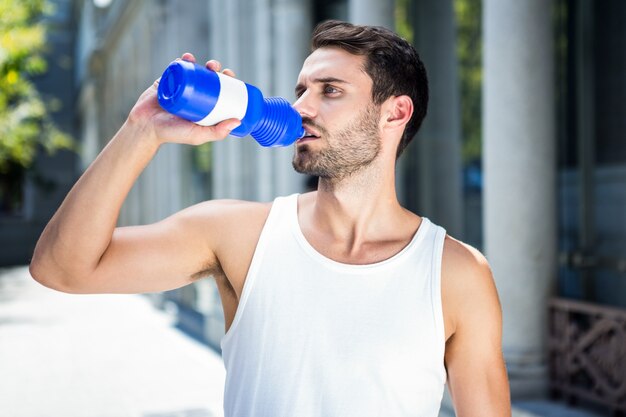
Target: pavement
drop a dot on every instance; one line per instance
(65, 355)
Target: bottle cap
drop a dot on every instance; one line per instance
(188, 90)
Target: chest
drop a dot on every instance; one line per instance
(352, 251)
(297, 296)
(373, 336)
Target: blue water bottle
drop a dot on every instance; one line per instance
(206, 98)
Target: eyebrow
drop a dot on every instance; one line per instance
(324, 80)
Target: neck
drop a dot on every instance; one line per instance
(359, 206)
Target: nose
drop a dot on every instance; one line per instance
(306, 106)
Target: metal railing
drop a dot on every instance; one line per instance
(587, 352)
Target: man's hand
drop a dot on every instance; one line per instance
(161, 126)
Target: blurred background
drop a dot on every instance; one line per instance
(522, 154)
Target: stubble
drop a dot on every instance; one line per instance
(346, 152)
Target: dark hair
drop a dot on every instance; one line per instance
(391, 62)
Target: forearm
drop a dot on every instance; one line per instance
(80, 231)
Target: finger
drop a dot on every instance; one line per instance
(224, 127)
(214, 65)
(156, 82)
(188, 57)
(203, 134)
(229, 72)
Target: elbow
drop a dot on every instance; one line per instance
(52, 277)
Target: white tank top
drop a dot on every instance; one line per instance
(313, 337)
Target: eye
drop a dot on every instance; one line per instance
(329, 89)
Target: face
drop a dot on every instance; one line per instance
(342, 122)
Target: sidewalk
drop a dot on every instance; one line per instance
(67, 355)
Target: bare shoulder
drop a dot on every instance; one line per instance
(225, 207)
(459, 258)
(468, 288)
(224, 220)
(228, 210)
(225, 210)
(232, 229)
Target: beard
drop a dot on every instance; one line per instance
(348, 151)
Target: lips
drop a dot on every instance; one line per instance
(310, 134)
(306, 139)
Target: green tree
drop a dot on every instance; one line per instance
(467, 14)
(469, 52)
(25, 123)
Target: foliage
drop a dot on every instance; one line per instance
(25, 122)
(467, 15)
(469, 52)
(201, 157)
(402, 20)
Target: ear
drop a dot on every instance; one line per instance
(398, 111)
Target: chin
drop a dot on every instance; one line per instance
(303, 166)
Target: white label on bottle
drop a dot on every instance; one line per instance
(231, 103)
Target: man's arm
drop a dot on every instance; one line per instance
(82, 251)
(477, 377)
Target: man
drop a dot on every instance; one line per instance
(337, 302)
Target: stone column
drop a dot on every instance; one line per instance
(439, 166)
(291, 39)
(225, 37)
(520, 184)
(263, 180)
(265, 43)
(372, 12)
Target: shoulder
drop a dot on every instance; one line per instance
(213, 225)
(469, 293)
(228, 229)
(223, 212)
(221, 218)
(459, 258)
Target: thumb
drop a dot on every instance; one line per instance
(225, 126)
(199, 134)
